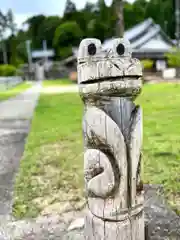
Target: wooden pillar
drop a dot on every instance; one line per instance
(109, 81)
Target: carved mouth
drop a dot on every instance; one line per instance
(110, 79)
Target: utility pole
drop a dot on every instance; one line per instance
(119, 4)
(177, 14)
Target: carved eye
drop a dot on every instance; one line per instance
(88, 48)
(120, 49)
(92, 49)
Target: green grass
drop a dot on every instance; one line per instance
(4, 95)
(57, 82)
(52, 166)
(161, 146)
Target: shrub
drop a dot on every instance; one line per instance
(7, 70)
(147, 64)
(173, 58)
(64, 52)
(20, 73)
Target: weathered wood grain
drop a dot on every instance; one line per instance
(109, 81)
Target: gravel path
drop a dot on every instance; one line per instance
(161, 223)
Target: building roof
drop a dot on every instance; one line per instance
(139, 28)
(146, 36)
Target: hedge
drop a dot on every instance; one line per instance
(173, 58)
(147, 64)
(7, 70)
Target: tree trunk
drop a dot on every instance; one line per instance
(120, 16)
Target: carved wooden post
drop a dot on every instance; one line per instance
(109, 81)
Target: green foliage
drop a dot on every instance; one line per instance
(162, 11)
(66, 36)
(147, 64)
(10, 21)
(14, 58)
(64, 52)
(173, 58)
(70, 8)
(47, 29)
(94, 20)
(68, 32)
(35, 24)
(97, 29)
(7, 70)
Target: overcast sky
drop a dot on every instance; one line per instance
(24, 8)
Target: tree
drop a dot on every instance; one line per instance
(69, 11)
(3, 27)
(67, 35)
(120, 18)
(139, 10)
(97, 29)
(70, 7)
(13, 41)
(35, 23)
(48, 28)
(100, 25)
(21, 38)
(10, 22)
(128, 13)
(84, 17)
(162, 11)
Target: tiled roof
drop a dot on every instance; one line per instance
(142, 34)
(156, 44)
(136, 30)
(148, 35)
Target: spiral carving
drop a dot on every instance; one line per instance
(105, 164)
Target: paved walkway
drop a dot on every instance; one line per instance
(15, 117)
(152, 79)
(22, 106)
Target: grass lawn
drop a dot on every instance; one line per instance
(14, 91)
(57, 82)
(52, 167)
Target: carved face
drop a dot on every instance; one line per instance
(110, 72)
